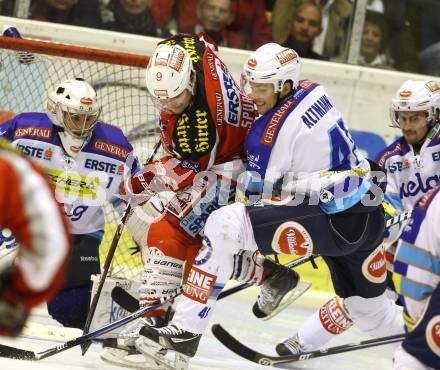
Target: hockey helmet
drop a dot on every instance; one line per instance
(416, 96)
(73, 106)
(272, 63)
(169, 72)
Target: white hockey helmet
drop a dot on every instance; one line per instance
(169, 72)
(71, 98)
(272, 63)
(416, 96)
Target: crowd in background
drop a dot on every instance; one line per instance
(397, 34)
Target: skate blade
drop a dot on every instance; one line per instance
(151, 351)
(121, 357)
(289, 298)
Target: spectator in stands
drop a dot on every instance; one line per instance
(335, 19)
(305, 26)
(83, 13)
(374, 45)
(131, 16)
(213, 16)
(249, 28)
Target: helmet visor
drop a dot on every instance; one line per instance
(80, 125)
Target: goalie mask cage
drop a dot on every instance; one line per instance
(29, 69)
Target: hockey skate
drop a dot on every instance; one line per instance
(122, 350)
(291, 346)
(278, 291)
(183, 343)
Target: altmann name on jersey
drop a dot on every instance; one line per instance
(316, 111)
(232, 108)
(38, 132)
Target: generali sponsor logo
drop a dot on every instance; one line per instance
(199, 285)
(374, 267)
(292, 238)
(272, 126)
(116, 150)
(38, 132)
(388, 153)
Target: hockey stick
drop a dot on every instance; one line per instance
(21, 354)
(398, 219)
(266, 360)
(131, 304)
(108, 261)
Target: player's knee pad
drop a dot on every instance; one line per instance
(70, 306)
(378, 316)
(162, 276)
(248, 267)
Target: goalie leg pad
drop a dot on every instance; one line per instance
(376, 316)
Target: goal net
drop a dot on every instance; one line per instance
(29, 69)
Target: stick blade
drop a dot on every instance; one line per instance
(125, 299)
(16, 353)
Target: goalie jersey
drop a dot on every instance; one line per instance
(85, 182)
(409, 175)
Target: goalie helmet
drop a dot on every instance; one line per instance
(169, 72)
(272, 63)
(73, 106)
(416, 96)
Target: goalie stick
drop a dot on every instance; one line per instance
(22, 354)
(267, 360)
(108, 261)
(131, 304)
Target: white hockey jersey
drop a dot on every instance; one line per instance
(417, 261)
(410, 176)
(82, 183)
(305, 142)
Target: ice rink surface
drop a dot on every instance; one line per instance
(234, 313)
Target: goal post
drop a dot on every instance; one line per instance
(29, 69)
